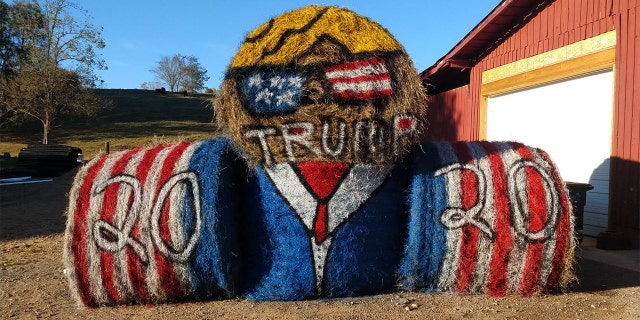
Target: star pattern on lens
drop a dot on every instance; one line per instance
(272, 93)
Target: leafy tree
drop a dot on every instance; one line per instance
(194, 75)
(8, 48)
(55, 66)
(19, 25)
(181, 72)
(34, 95)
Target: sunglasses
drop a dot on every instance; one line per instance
(269, 93)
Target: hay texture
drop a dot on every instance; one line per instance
(153, 224)
(158, 224)
(317, 189)
(487, 218)
(321, 84)
(293, 252)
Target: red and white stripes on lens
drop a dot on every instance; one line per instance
(359, 80)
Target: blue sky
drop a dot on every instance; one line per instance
(138, 33)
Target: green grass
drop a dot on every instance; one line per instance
(137, 117)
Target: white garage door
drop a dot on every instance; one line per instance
(571, 120)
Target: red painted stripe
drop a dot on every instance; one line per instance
(80, 230)
(320, 225)
(537, 218)
(470, 234)
(169, 281)
(136, 269)
(365, 78)
(498, 283)
(354, 65)
(563, 231)
(362, 95)
(107, 213)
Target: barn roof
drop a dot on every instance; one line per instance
(453, 69)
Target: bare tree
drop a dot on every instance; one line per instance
(181, 72)
(169, 70)
(57, 68)
(150, 85)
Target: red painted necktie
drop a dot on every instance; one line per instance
(323, 178)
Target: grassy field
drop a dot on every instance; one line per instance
(137, 117)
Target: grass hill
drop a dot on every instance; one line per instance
(137, 117)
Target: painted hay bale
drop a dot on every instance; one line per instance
(323, 103)
(327, 231)
(321, 84)
(153, 224)
(333, 198)
(487, 218)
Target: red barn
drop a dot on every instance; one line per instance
(563, 75)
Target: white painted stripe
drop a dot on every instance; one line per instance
(70, 261)
(150, 186)
(372, 69)
(354, 191)
(481, 269)
(121, 267)
(178, 210)
(362, 86)
(320, 252)
(293, 191)
(93, 215)
(449, 270)
(549, 246)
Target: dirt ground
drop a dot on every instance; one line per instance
(32, 283)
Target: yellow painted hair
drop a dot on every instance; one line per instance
(283, 38)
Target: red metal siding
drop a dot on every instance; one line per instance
(624, 208)
(447, 116)
(560, 23)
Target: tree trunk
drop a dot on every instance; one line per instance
(45, 129)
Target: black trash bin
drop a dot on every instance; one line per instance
(578, 196)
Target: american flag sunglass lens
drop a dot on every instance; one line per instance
(272, 93)
(359, 80)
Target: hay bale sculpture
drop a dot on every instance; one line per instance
(318, 189)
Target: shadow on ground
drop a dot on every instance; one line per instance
(598, 275)
(34, 209)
